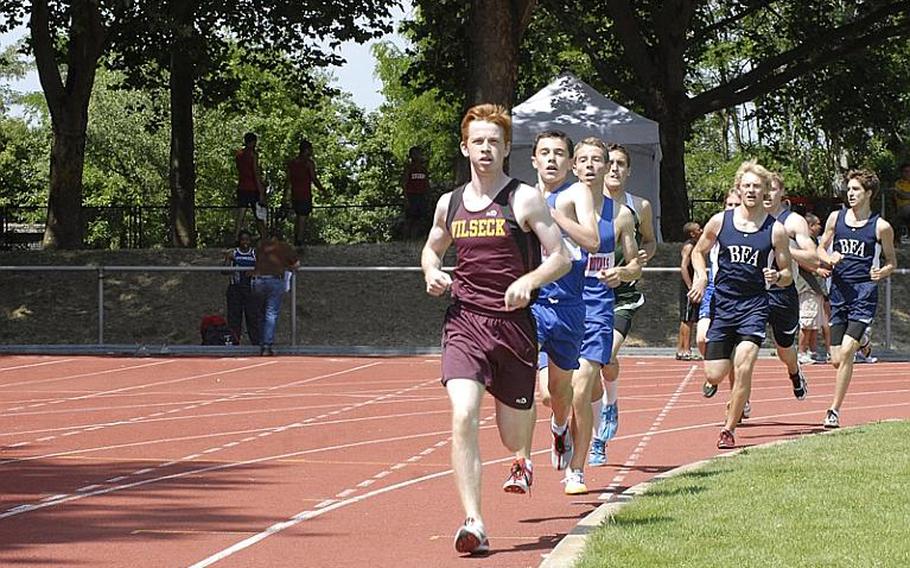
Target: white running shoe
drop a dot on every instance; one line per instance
(575, 482)
(471, 538)
(832, 419)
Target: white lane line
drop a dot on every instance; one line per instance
(20, 509)
(31, 365)
(89, 374)
(633, 458)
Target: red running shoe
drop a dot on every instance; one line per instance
(520, 477)
(471, 538)
(726, 440)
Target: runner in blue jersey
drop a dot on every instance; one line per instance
(704, 309)
(784, 302)
(749, 242)
(559, 310)
(857, 239)
(615, 224)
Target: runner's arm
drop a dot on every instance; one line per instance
(583, 230)
(885, 234)
(699, 261)
(438, 241)
(531, 211)
(783, 276)
(805, 253)
(828, 260)
(648, 238)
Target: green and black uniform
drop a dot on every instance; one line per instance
(628, 298)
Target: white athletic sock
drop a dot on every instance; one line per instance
(557, 429)
(611, 392)
(597, 406)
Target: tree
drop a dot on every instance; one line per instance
(651, 55)
(486, 36)
(650, 51)
(189, 44)
(67, 39)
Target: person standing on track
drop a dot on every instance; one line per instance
(628, 298)
(559, 310)
(498, 226)
(616, 226)
(749, 242)
(784, 301)
(857, 238)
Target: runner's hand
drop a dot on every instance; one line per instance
(437, 281)
(771, 276)
(642, 257)
(518, 294)
(609, 277)
(835, 258)
(875, 274)
(697, 291)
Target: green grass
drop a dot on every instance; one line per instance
(836, 500)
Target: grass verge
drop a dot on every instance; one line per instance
(835, 500)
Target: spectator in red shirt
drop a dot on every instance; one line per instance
(416, 182)
(250, 189)
(301, 179)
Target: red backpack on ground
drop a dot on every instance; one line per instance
(215, 331)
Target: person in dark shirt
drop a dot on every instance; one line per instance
(241, 303)
(416, 183)
(688, 310)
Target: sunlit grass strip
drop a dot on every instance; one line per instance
(835, 500)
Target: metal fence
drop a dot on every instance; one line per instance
(103, 273)
(143, 226)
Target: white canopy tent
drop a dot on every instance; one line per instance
(574, 107)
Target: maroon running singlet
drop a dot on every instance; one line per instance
(481, 339)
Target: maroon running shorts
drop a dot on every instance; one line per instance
(499, 352)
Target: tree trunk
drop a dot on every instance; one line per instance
(494, 36)
(64, 227)
(674, 199)
(182, 162)
(67, 102)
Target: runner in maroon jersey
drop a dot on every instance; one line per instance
(498, 225)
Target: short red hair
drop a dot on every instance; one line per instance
(487, 112)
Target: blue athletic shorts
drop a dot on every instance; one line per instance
(560, 328)
(597, 344)
(853, 301)
(738, 317)
(784, 315)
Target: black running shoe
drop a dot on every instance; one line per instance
(708, 390)
(800, 387)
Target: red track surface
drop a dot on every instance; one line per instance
(328, 462)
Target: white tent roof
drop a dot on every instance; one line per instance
(576, 108)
